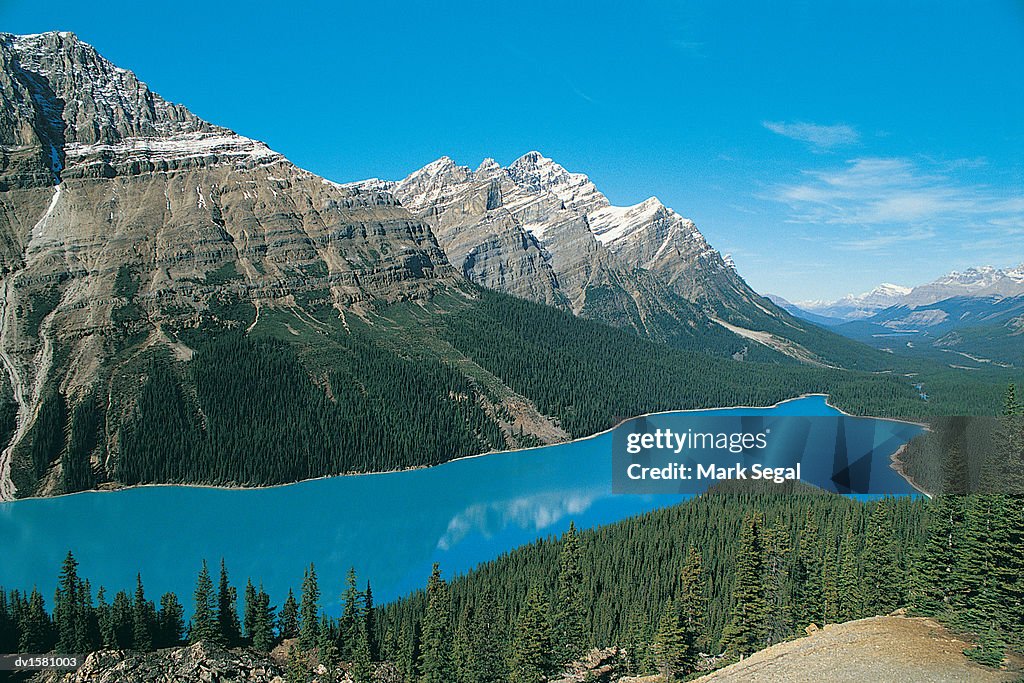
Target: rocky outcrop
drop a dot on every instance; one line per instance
(198, 663)
(597, 666)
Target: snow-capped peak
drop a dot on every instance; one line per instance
(535, 172)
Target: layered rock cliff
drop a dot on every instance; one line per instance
(122, 214)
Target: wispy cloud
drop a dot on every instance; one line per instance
(883, 203)
(820, 138)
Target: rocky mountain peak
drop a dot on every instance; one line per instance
(537, 173)
(85, 98)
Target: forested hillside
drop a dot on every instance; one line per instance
(405, 386)
(730, 572)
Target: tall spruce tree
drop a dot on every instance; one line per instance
(227, 610)
(204, 616)
(463, 656)
(309, 611)
(71, 617)
(170, 621)
(263, 622)
(105, 620)
(288, 622)
(249, 611)
(370, 623)
(670, 646)
(745, 632)
(808, 598)
(436, 645)
(937, 575)
(777, 581)
(693, 608)
(123, 616)
(143, 618)
(362, 664)
(568, 628)
(36, 627)
(530, 654)
(351, 616)
(488, 641)
(882, 588)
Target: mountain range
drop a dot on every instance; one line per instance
(984, 281)
(166, 280)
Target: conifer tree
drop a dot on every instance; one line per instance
(351, 615)
(488, 641)
(745, 632)
(808, 599)
(670, 646)
(568, 623)
(249, 611)
(142, 618)
(123, 616)
(1009, 562)
(288, 622)
(71, 617)
(462, 649)
(848, 582)
(777, 549)
(263, 622)
(36, 628)
(204, 616)
(326, 646)
(693, 607)
(309, 611)
(978, 597)
(530, 656)
(436, 645)
(227, 610)
(882, 590)
(370, 623)
(297, 666)
(362, 666)
(408, 656)
(170, 620)
(637, 641)
(937, 577)
(105, 619)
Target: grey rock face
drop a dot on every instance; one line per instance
(537, 231)
(101, 176)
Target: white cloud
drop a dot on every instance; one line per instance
(886, 202)
(819, 137)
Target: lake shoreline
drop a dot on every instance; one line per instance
(115, 488)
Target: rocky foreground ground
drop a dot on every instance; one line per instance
(893, 648)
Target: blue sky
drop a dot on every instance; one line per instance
(829, 146)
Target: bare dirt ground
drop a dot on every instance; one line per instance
(881, 649)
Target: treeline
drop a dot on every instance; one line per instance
(247, 411)
(81, 622)
(730, 572)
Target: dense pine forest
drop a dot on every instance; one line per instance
(307, 396)
(726, 574)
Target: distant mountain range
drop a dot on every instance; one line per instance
(977, 314)
(984, 281)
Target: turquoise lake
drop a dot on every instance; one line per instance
(391, 527)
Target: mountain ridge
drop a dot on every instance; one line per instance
(979, 281)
